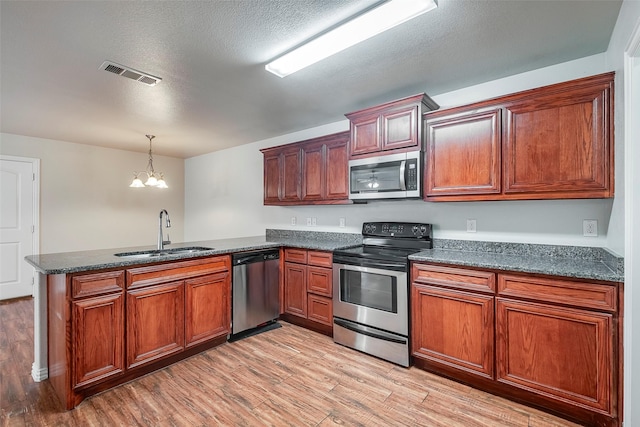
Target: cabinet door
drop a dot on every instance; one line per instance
(453, 328)
(320, 281)
(272, 177)
(565, 354)
(337, 169)
(97, 338)
(295, 289)
(400, 128)
(155, 322)
(560, 143)
(207, 308)
(365, 135)
(313, 172)
(291, 175)
(463, 154)
(320, 309)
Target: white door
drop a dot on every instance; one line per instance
(16, 227)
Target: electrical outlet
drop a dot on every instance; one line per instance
(343, 222)
(308, 221)
(590, 227)
(314, 222)
(294, 220)
(471, 226)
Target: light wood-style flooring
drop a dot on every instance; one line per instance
(286, 377)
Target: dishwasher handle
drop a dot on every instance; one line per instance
(252, 257)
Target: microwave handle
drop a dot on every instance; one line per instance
(403, 183)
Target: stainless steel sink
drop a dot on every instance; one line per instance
(164, 252)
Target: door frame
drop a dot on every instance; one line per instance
(39, 370)
(631, 377)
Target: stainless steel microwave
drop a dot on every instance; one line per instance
(390, 176)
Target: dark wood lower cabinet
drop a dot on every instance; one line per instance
(308, 290)
(453, 328)
(557, 341)
(109, 327)
(98, 338)
(561, 353)
(155, 322)
(207, 308)
(295, 294)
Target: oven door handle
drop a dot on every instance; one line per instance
(364, 330)
(365, 265)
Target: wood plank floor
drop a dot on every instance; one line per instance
(286, 377)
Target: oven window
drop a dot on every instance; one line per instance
(377, 291)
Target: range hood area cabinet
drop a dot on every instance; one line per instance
(310, 172)
(396, 126)
(554, 142)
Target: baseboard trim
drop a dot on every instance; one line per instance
(39, 374)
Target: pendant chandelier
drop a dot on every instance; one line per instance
(154, 179)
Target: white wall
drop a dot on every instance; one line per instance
(85, 201)
(223, 196)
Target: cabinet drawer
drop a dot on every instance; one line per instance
(97, 283)
(320, 309)
(320, 281)
(565, 292)
(452, 277)
(160, 273)
(320, 259)
(295, 255)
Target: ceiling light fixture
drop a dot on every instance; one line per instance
(154, 179)
(360, 28)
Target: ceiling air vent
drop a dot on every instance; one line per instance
(130, 73)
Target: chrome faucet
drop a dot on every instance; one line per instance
(161, 241)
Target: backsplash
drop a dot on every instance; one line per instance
(611, 260)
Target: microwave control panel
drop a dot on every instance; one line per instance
(412, 174)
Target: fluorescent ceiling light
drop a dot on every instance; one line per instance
(362, 27)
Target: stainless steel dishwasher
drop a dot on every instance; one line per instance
(255, 296)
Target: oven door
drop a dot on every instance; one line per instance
(372, 297)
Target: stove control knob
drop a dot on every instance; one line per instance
(415, 229)
(423, 229)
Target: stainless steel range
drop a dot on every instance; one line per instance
(371, 289)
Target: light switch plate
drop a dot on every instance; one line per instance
(471, 226)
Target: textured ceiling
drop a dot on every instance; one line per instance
(215, 92)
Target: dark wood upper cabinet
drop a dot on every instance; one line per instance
(463, 153)
(291, 168)
(553, 142)
(313, 171)
(272, 177)
(396, 125)
(308, 172)
(336, 168)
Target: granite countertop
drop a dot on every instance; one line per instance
(73, 262)
(556, 260)
(591, 268)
